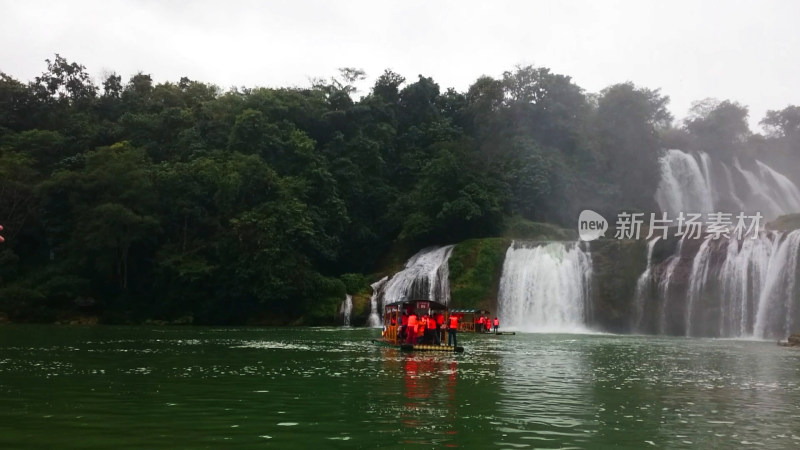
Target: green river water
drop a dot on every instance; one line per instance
(147, 388)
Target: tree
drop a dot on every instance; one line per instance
(65, 81)
(109, 208)
(453, 198)
(628, 120)
(718, 127)
(784, 123)
(546, 106)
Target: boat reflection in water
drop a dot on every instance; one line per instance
(429, 388)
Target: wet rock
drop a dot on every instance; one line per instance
(184, 320)
(792, 341)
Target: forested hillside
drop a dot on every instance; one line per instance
(131, 200)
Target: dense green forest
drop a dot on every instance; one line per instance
(131, 200)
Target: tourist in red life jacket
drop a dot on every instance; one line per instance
(481, 322)
(496, 325)
(452, 329)
(411, 328)
(421, 324)
(488, 324)
(439, 328)
(431, 336)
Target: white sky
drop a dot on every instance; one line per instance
(747, 51)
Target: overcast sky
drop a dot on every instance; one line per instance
(747, 51)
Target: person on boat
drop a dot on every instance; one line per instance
(496, 324)
(411, 328)
(401, 333)
(481, 323)
(419, 332)
(431, 336)
(452, 330)
(439, 327)
(488, 325)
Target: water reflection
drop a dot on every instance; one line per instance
(317, 387)
(544, 394)
(429, 411)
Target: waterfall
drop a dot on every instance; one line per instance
(730, 187)
(672, 263)
(425, 277)
(697, 280)
(643, 284)
(786, 193)
(346, 309)
(776, 304)
(545, 287)
(375, 317)
(734, 288)
(760, 193)
(741, 277)
(684, 186)
(694, 183)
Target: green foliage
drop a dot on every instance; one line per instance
(355, 283)
(475, 269)
(172, 200)
(518, 227)
(627, 120)
(788, 222)
(719, 128)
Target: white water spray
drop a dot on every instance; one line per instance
(346, 309)
(425, 277)
(375, 317)
(545, 288)
(644, 283)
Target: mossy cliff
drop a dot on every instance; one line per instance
(616, 267)
(475, 269)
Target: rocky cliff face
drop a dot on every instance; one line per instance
(617, 265)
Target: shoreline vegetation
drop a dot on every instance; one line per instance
(135, 202)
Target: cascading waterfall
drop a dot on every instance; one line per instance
(375, 318)
(735, 287)
(545, 287)
(694, 183)
(684, 186)
(741, 277)
(346, 309)
(663, 285)
(777, 303)
(425, 276)
(726, 287)
(783, 190)
(697, 280)
(643, 284)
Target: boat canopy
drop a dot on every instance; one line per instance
(469, 311)
(415, 304)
